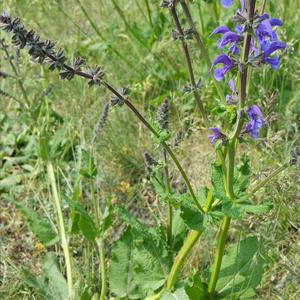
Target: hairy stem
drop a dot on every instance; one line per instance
(187, 247)
(203, 50)
(61, 224)
(168, 190)
(99, 242)
(219, 255)
(181, 257)
(188, 62)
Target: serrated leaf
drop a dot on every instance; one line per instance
(179, 294)
(89, 169)
(107, 217)
(179, 231)
(242, 269)
(121, 278)
(50, 285)
(217, 180)
(152, 261)
(195, 289)
(240, 209)
(83, 220)
(191, 216)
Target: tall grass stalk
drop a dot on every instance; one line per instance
(62, 230)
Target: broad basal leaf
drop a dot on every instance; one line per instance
(50, 285)
(242, 269)
(121, 279)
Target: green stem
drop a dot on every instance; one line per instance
(187, 247)
(99, 242)
(149, 12)
(219, 255)
(189, 64)
(268, 179)
(181, 257)
(61, 223)
(201, 45)
(168, 190)
(102, 267)
(231, 148)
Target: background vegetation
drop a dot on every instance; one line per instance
(131, 40)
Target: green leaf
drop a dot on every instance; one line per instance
(89, 169)
(217, 180)
(178, 294)
(242, 269)
(239, 210)
(83, 220)
(51, 285)
(152, 261)
(121, 279)
(191, 216)
(195, 289)
(10, 182)
(107, 217)
(179, 231)
(38, 226)
(44, 147)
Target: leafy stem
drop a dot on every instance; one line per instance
(231, 148)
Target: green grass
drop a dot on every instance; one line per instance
(131, 41)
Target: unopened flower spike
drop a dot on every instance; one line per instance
(162, 115)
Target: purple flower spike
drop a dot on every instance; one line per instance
(228, 64)
(256, 121)
(265, 32)
(226, 3)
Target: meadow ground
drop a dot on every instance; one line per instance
(131, 40)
